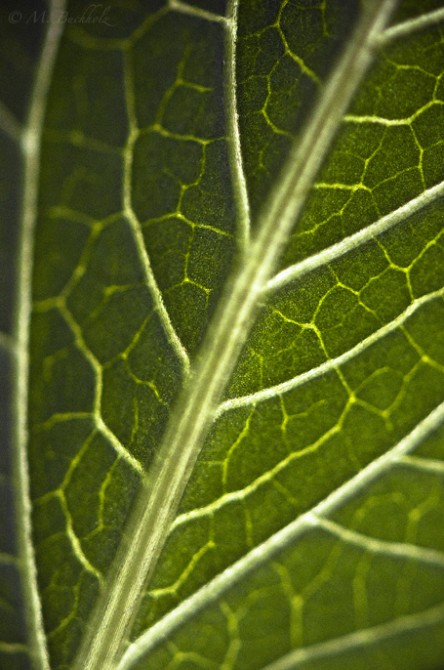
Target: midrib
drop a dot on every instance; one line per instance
(193, 415)
(30, 139)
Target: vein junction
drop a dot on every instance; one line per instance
(275, 550)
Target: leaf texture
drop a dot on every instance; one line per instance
(222, 335)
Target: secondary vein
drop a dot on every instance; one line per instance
(412, 25)
(356, 240)
(279, 541)
(9, 124)
(330, 364)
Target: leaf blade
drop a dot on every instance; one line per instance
(315, 381)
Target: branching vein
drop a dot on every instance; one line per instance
(97, 410)
(419, 463)
(332, 363)
(134, 223)
(284, 538)
(156, 507)
(7, 342)
(356, 240)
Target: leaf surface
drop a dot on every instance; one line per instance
(222, 352)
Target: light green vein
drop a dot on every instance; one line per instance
(383, 121)
(423, 464)
(9, 124)
(156, 507)
(97, 409)
(330, 364)
(134, 223)
(8, 559)
(374, 545)
(356, 240)
(117, 445)
(78, 551)
(31, 146)
(277, 542)
(184, 8)
(7, 342)
(412, 26)
(297, 59)
(13, 648)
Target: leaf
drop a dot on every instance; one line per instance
(221, 335)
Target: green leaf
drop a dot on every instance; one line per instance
(221, 349)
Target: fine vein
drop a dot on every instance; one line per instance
(9, 124)
(98, 393)
(7, 342)
(280, 540)
(134, 223)
(330, 364)
(157, 504)
(360, 638)
(31, 147)
(356, 240)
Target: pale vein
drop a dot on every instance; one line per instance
(8, 559)
(360, 638)
(9, 124)
(12, 648)
(412, 25)
(356, 240)
(374, 545)
(7, 342)
(184, 8)
(97, 410)
(330, 364)
(421, 464)
(134, 223)
(31, 147)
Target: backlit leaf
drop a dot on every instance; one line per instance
(222, 331)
